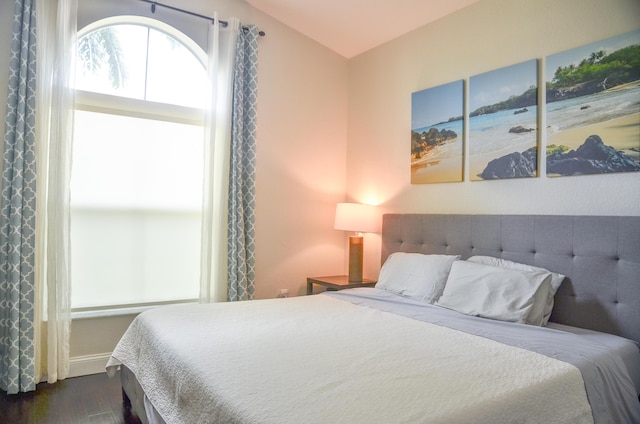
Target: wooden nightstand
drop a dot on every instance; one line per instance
(337, 282)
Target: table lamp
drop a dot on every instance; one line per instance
(360, 219)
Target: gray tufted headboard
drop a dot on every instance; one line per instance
(600, 255)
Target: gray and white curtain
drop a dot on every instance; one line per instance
(241, 220)
(34, 213)
(18, 213)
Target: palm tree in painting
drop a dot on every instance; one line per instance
(596, 56)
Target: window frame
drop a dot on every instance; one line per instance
(137, 108)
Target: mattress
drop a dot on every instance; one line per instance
(362, 355)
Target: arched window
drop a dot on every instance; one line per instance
(136, 184)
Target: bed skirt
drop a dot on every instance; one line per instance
(134, 400)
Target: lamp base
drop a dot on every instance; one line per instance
(355, 258)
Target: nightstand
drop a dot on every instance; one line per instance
(337, 282)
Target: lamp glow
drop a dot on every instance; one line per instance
(358, 218)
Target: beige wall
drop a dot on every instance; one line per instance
(488, 35)
(301, 165)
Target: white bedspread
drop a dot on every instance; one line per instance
(317, 359)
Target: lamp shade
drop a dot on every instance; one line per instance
(356, 217)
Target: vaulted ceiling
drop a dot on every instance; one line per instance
(351, 27)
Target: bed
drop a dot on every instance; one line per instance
(403, 353)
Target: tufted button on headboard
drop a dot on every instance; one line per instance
(600, 255)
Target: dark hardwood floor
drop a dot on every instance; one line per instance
(94, 399)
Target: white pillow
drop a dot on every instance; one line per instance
(545, 303)
(415, 275)
(492, 292)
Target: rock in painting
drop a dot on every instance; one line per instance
(513, 165)
(592, 157)
(520, 129)
(423, 142)
(435, 137)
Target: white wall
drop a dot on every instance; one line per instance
(488, 35)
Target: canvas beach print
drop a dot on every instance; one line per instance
(436, 134)
(593, 108)
(503, 124)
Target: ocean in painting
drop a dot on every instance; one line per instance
(490, 133)
(594, 108)
(489, 138)
(613, 114)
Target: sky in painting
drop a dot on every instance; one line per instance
(437, 104)
(496, 86)
(575, 56)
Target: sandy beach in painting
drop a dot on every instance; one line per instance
(622, 134)
(613, 115)
(442, 164)
(436, 170)
(490, 137)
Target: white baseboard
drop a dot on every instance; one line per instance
(88, 364)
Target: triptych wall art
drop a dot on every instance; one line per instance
(592, 112)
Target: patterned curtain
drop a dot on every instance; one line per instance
(242, 169)
(17, 216)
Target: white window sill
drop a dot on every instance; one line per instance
(118, 310)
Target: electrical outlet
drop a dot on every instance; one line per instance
(283, 293)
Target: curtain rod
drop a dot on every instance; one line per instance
(176, 9)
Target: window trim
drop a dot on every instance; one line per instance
(125, 106)
(126, 309)
(137, 108)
